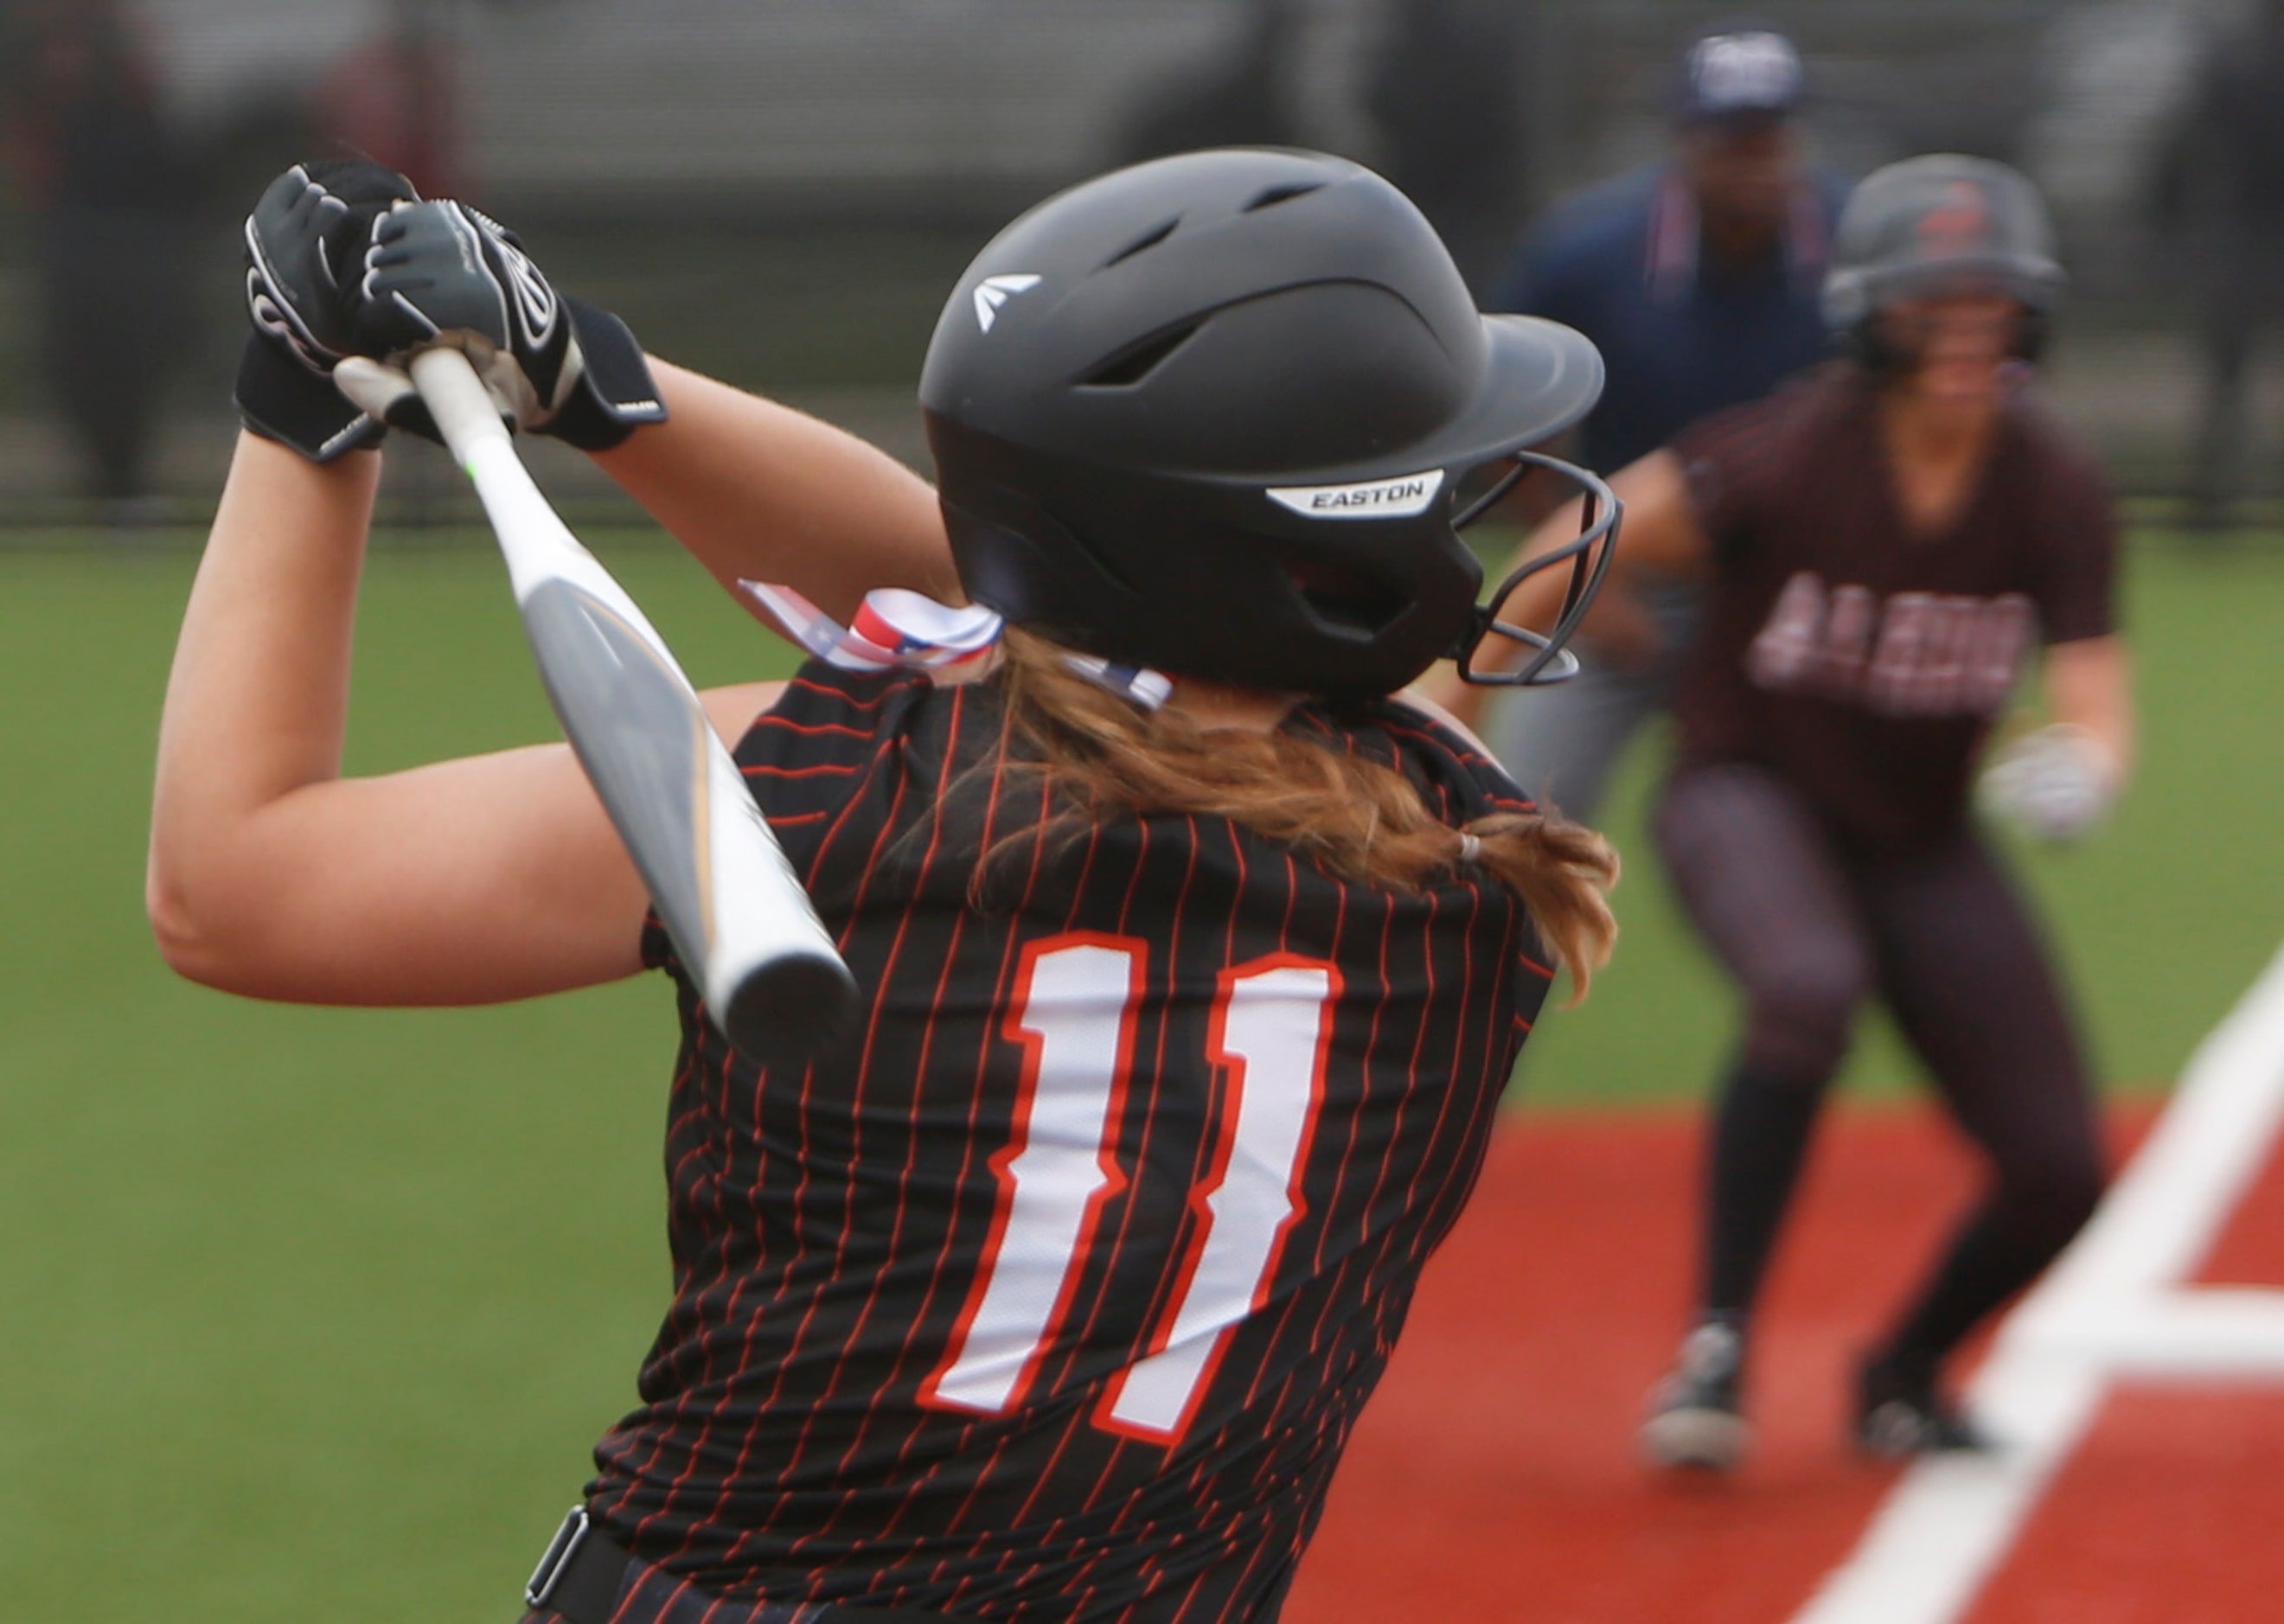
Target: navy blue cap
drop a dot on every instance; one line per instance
(1740, 72)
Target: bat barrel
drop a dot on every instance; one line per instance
(789, 1009)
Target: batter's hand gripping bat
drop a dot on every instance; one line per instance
(744, 928)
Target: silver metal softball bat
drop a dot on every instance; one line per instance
(740, 920)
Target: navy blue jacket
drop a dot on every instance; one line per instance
(1683, 335)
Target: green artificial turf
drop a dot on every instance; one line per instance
(314, 1313)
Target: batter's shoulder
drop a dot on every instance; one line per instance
(832, 726)
(1456, 769)
(823, 701)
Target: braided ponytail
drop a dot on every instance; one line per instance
(1562, 871)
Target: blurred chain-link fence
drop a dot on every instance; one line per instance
(781, 191)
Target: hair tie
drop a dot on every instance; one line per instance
(1471, 849)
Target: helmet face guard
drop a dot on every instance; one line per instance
(1588, 554)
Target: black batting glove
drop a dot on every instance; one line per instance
(443, 272)
(305, 246)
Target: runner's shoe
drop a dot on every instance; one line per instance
(1696, 1420)
(1900, 1414)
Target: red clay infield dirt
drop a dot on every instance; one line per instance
(1492, 1478)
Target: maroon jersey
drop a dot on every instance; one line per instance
(1861, 661)
(1055, 1292)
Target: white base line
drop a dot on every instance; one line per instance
(2106, 1308)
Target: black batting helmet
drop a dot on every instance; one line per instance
(1938, 221)
(1208, 414)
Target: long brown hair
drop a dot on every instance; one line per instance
(1363, 820)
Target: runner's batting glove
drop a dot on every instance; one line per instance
(442, 272)
(2056, 782)
(305, 245)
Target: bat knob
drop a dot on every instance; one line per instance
(790, 1010)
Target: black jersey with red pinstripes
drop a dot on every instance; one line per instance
(1054, 1292)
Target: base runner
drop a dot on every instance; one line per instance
(1884, 545)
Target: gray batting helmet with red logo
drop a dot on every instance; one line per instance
(1939, 222)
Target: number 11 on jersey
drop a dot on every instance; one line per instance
(1074, 1014)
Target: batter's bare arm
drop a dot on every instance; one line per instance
(1661, 537)
(761, 492)
(491, 877)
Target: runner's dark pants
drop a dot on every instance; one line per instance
(1808, 932)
